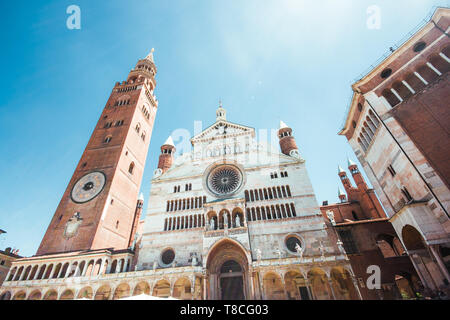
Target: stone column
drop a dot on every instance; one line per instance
(261, 287)
(108, 269)
(30, 273)
(396, 94)
(434, 69)
(308, 287)
(77, 270)
(60, 270)
(441, 265)
(283, 283)
(83, 272)
(204, 287)
(330, 284)
(102, 266)
(430, 276)
(355, 284)
(444, 57)
(25, 271)
(425, 82)
(418, 271)
(252, 285)
(54, 272)
(171, 289)
(193, 278)
(8, 274)
(118, 266)
(68, 270)
(409, 87)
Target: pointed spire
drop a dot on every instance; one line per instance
(169, 142)
(340, 169)
(141, 196)
(350, 162)
(150, 55)
(283, 125)
(341, 193)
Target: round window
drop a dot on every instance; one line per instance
(224, 180)
(168, 256)
(386, 73)
(291, 243)
(419, 46)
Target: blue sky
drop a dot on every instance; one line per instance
(267, 60)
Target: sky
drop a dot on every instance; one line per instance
(290, 60)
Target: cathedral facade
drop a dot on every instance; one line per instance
(241, 219)
(233, 219)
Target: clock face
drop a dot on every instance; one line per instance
(88, 187)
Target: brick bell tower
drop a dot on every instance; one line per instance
(287, 141)
(166, 156)
(99, 206)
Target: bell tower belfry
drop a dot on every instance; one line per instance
(287, 140)
(99, 206)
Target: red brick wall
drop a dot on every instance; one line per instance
(287, 144)
(425, 117)
(113, 159)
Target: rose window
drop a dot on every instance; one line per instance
(224, 180)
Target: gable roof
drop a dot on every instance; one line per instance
(210, 132)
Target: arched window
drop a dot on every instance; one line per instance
(294, 213)
(143, 135)
(117, 224)
(283, 191)
(131, 168)
(138, 127)
(107, 139)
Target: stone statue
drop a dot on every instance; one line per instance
(330, 215)
(340, 247)
(237, 221)
(322, 251)
(155, 265)
(194, 259)
(225, 221)
(258, 254)
(211, 224)
(299, 250)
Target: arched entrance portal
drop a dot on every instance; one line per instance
(231, 281)
(227, 266)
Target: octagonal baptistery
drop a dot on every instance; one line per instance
(231, 210)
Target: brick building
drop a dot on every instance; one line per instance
(398, 126)
(7, 257)
(368, 238)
